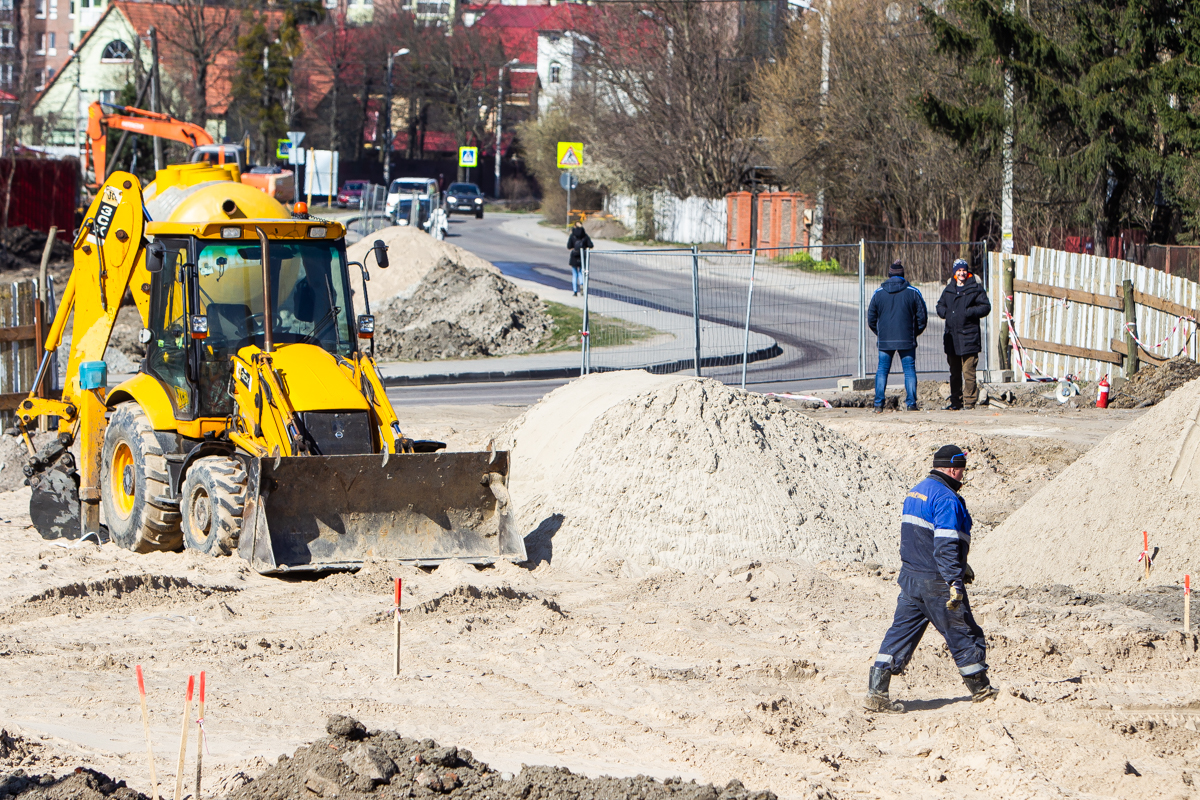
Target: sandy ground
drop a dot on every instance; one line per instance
(753, 672)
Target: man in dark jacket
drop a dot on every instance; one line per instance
(935, 536)
(577, 242)
(897, 316)
(962, 304)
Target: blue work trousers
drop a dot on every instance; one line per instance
(922, 601)
(908, 360)
(576, 278)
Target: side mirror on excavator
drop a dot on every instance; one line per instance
(158, 257)
(381, 256)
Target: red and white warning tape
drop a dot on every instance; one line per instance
(1165, 339)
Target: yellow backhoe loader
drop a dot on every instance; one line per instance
(257, 423)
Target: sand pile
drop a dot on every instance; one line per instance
(1085, 527)
(353, 762)
(692, 475)
(412, 253)
(460, 311)
(1151, 384)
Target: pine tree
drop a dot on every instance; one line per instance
(1091, 81)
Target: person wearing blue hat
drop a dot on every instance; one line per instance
(962, 304)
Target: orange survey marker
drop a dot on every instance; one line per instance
(1187, 603)
(146, 725)
(1145, 556)
(396, 626)
(201, 740)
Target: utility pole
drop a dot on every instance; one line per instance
(387, 124)
(155, 98)
(817, 237)
(1006, 190)
(499, 114)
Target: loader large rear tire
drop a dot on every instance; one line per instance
(211, 501)
(134, 486)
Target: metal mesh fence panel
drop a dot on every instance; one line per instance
(763, 316)
(640, 310)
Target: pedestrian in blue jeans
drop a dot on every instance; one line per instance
(897, 316)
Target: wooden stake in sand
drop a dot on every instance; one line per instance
(146, 725)
(200, 735)
(183, 737)
(1187, 603)
(1145, 556)
(396, 626)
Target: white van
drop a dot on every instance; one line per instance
(423, 188)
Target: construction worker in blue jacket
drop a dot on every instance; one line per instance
(935, 535)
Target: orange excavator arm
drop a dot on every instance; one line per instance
(136, 120)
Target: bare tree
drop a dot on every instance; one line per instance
(666, 87)
(199, 33)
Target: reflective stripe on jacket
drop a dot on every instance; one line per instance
(935, 531)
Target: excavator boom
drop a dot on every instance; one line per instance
(136, 120)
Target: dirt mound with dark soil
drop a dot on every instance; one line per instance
(1151, 384)
(21, 247)
(353, 762)
(82, 784)
(458, 311)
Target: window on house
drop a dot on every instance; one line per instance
(71, 11)
(116, 50)
(6, 37)
(6, 74)
(555, 73)
(6, 5)
(53, 9)
(41, 48)
(52, 44)
(41, 9)
(108, 96)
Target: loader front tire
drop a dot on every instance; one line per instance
(211, 501)
(135, 493)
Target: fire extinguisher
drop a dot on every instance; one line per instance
(1102, 395)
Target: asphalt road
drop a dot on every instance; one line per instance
(813, 317)
(500, 393)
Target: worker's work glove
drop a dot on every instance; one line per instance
(968, 573)
(956, 597)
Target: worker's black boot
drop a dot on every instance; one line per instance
(877, 692)
(979, 687)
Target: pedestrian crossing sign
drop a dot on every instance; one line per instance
(468, 156)
(570, 155)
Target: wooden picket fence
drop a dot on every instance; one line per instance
(1069, 314)
(22, 334)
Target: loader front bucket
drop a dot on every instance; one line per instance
(316, 513)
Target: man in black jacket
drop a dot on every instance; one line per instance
(577, 242)
(897, 316)
(962, 304)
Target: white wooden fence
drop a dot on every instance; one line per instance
(687, 220)
(1096, 323)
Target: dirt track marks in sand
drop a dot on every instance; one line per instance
(126, 593)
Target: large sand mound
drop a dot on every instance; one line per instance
(412, 253)
(1084, 529)
(690, 474)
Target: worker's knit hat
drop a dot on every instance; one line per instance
(950, 456)
(895, 269)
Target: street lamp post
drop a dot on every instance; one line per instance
(387, 127)
(499, 113)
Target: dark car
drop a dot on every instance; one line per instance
(464, 198)
(351, 194)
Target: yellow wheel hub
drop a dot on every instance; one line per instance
(123, 480)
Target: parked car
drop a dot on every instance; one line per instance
(351, 194)
(423, 188)
(464, 198)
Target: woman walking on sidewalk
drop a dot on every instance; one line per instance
(962, 304)
(577, 242)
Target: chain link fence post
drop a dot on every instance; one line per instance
(862, 308)
(749, 302)
(585, 334)
(696, 302)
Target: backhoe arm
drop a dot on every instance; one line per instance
(107, 254)
(136, 120)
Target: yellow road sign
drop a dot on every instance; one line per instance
(468, 156)
(570, 155)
